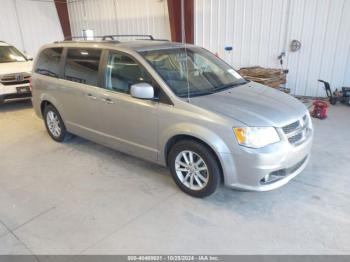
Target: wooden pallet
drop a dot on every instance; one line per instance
(266, 76)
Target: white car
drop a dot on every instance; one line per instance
(15, 71)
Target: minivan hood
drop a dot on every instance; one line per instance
(254, 105)
(15, 67)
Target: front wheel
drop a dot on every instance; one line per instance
(194, 168)
(54, 124)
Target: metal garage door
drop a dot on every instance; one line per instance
(259, 30)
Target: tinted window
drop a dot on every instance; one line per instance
(49, 61)
(82, 65)
(122, 72)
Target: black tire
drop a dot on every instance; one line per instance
(347, 101)
(213, 174)
(64, 135)
(333, 101)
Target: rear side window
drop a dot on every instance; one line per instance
(49, 62)
(82, 65)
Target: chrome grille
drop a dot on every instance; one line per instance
(15, 79)
(8, 78)
(295, 139)
(291, 127)
(297, 131)
(15, 83)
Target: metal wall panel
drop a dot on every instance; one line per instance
(323, 27)
(120, 17)
(29, 24)
(259, 30)
(253, 27)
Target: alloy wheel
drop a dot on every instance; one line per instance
(191, 170)
(53, 123)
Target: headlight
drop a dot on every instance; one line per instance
(256, 137)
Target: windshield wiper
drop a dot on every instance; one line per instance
(184, 95)
(213, 91)
(231, 85)
(202, 93)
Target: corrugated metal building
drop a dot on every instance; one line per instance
(29, 24)
(120, 17)
(259, 30)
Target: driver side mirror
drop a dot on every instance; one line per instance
(142, 91)
(29, 57)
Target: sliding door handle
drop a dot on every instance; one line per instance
(90, 96)
(107, 100)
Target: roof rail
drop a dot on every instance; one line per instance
(107, 37)
(111, 37)
(71, 38)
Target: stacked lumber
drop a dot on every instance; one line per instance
(266, 76)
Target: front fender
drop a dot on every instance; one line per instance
(190, 129)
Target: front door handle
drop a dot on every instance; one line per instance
(107, 100)
(91, 96)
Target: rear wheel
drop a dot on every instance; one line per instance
(194, 168)
(54, 124)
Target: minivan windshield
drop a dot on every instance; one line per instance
(193, 71)
(11, 54)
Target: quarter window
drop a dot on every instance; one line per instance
(82, 66)
(49, 62)
(122, 71)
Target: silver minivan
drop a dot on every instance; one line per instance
(176, 105)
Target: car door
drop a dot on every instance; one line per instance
(128, 124)
(80, 90)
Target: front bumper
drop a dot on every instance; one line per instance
(266, 168)
(14, 92)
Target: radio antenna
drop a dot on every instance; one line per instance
(183, 38)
